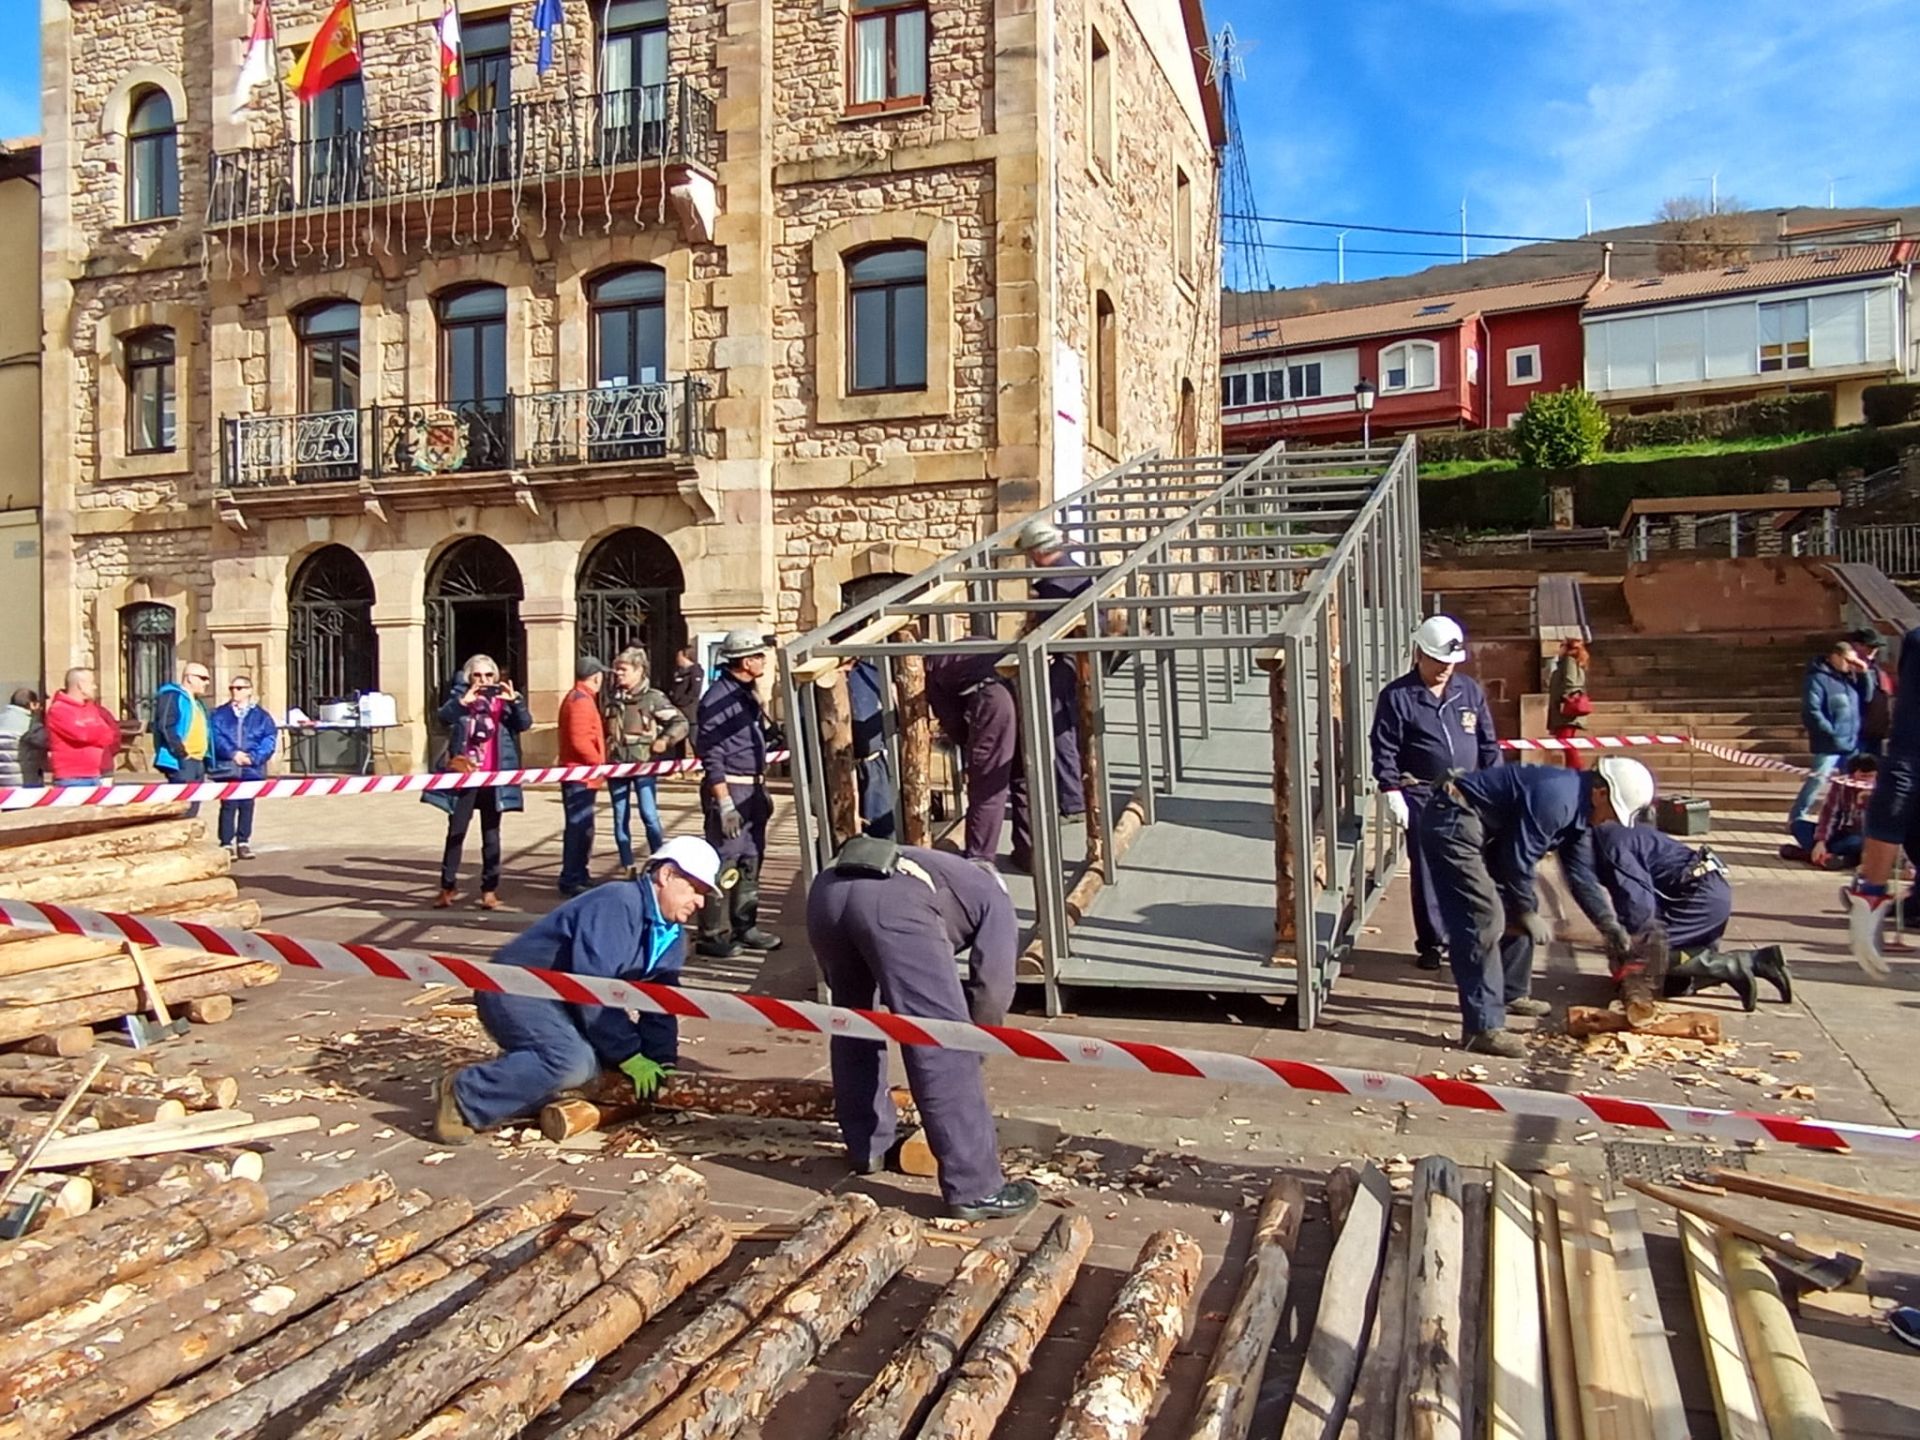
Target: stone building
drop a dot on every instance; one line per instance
(20, 414)
(730, 306)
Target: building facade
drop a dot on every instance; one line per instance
(20, 415)
(728, 306)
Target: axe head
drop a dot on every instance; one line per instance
(143, 1032)
(1834, 1272)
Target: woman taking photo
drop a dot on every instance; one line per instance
(485, 717)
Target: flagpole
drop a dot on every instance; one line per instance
(280, 82)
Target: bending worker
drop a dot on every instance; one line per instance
(1430, 722)
(730, 737)
(627, 931)
(975, 707)
(1671, 897)
(889, 919)
(1039, 541)
(1485, 834)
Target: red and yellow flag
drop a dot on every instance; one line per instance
(332, 56)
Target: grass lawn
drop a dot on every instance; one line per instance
(1631, 457)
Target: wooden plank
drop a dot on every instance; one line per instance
(1644, 1322)
(134, 1140)
(1789, 1395)
(1613, 1403)
(1232, 1386)
(1516, 1348)
(1563, 1383)
(1373, 1412)
(1347, 1297)
(1734, 1398)
(1817, 1195)
(881, 627)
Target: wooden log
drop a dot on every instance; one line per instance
(63, 1198)
(1093, 760)
(1433, 1385)
(741, 1386)
(238, 1128)
(1645, 1327)
(115, 876)
(1091, 882)
(1817, 1195)
(503, 1402)
(1584, 1020)
(28, 829)
(1613, 1400)
(116, 972)
(114, 1110)
(432, 1369)
(20, 1021)
(1734, 1400)
(286, 1369)
(210, 1009)
(65, 1042)
(916, 750)
(114, 1213)
(661, 1375)
(1563, 1384)
(1342, 1183)
(50, 1130)
(95, 844)
(1374, 1411)
(836, 749)
(1113, 1396)
(1232, 1386)
(610, 1101)
(1517, 1383)
(27, 952)
(1473, 1301)
(134, 1376)
(1789, 1394)
(1347, 1298)
(1284, 779)
(983, 1382)
(75, 1268)
(892, 1406)
(123, 1177)
(31, 1077)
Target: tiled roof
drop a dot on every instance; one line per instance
(1839, 264)
(1425, 312)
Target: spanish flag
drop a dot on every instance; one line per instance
(332, 56)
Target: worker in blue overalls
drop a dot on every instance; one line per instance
(632, 930)
(1039, 541)
(872, 766)
(1675, 899)
(730, 737)
(1431, 721)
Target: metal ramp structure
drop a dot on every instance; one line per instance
(1240, 618)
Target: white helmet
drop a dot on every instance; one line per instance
(693, 858)
(739, 644)
(1036, 534)
(1441, 638)
(1629, 786)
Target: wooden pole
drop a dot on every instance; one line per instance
(741, 1386)
(1113, 1397)
(116, 1110)
(836, 750)
(1474, 1202)
(1517, 1391)
(1789, 1395)
(1793, 1190)
(123, 1177)
(983, 1383)
(430, 1371)
(1433, 1384)
(1232, 1386)
(1091, 882)
(916, 750)
(1346, 1307)
(1648, 1331)
(1734, 1398)
(32, 1017)
(1563, 1387)
(1093, 759)
(121, 1209)
(30, 1077)
(1285, 881)
(656, 1380)
(892, 1406)
(1374, 1411)
(51, 1128)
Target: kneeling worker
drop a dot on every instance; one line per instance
(889, 919)
(1671, 896)
(1485, 834)
(630, 931)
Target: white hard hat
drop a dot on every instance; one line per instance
(739, 644)
(1441, 638)
(1629, 785)
(693, 858)
(1036, 534)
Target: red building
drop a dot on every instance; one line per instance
(1462, 361)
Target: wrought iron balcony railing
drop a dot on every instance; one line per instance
(527, 142)
(520, 432)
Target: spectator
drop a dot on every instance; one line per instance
(642, 725)
(583, 741)
(1568, 704)
(20, 762)
(1835, 842)
(1830, 711)
(684, 691)
(485, 717)
(181, 738)
(82, 738)
(244, 736)
(1876, 691)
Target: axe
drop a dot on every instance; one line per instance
(1812, 1269)
(141, 1031)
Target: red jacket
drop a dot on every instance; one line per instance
(583, 733)
(81, 739)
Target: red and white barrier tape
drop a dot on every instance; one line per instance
(1594, 742)
(997, 1041)
(304, 787)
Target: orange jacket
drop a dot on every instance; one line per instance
(583, 735)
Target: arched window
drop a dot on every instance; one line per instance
(146, 656)
(473, 370)
(150, 382)
(1410, 365)
(887, 319)
(333, 652)
(473, 608)
(629, 594)
(329, 334)
(153, 157)
(628, 309)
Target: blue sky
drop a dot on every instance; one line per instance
(1386, 111)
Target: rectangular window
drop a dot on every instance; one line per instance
(1303, 381)
(887, 320)
(1783, 336)
(1099, 103)
(887, 56)
(1233, 390)
(1183, 222)
(1106, 364)
(150, 392)
(1523, 365)
(1260, 388)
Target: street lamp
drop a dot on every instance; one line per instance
(1363, 397)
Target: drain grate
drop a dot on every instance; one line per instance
(1664, 1164)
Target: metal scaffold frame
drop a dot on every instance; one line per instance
(1294, 572)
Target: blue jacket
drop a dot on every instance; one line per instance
(514, 719)
(1529, 811)
(614, 932)
(1649, 875)
(728, 736)
(253, 732)
(863, 697)
(174, 720)
(1830, 710)
(1418, 738)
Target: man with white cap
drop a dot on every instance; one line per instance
(1484, 835)
(1429, 722)
(632, 931)
(1039, 541)
(730, 737)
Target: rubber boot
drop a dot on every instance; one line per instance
(1707, 968)
(716, 930)
(744, 899)
(1770, 965)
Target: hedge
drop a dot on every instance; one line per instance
(1792, 414)
(1891, 404)
(1438, 447)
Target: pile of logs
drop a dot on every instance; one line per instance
(142, 859)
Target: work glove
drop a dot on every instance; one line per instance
(1618, 942)
(731, 822)
(646, 1075)
(1397, 804)
(1534, 926)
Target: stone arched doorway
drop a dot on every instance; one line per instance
(628, 593)
(333, 652)
(473, 608)
(865, 587)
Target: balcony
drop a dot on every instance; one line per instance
(517, 440)
(533, 155)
